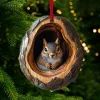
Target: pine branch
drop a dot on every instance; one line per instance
(63, 97)
(74, 98)
(17, 21)
(29, 97)
(8, 85)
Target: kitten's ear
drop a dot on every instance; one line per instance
(44, 42)
(57, 41)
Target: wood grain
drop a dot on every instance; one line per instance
(68, 71)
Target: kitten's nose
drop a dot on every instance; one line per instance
(52, 55)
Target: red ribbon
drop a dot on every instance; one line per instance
(51, 5)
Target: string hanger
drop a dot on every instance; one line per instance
(51, 6)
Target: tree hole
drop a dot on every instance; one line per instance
(50, 32)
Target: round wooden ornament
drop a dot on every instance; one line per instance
(32, 45)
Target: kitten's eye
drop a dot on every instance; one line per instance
(45, 49)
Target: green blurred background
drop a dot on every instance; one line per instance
(16, 17)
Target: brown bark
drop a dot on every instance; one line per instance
(68, 71)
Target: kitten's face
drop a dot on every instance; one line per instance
(51, 50)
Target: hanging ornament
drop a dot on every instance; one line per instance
(40, 64)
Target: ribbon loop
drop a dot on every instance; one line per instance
(51, 5)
